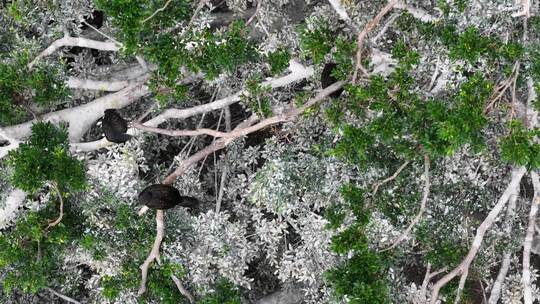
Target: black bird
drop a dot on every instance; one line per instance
(115, 127)
(327, 79)
(160, 196)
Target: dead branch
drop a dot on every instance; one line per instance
(418, 216)
(75, 41)
(157, 11)
(527, 243)
(362, 36)
(463, 267)
(525, 10)
(154, 253)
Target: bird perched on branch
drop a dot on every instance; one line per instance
(161, 197)
(115, 127)
(327, 79)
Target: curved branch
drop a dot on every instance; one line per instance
(75, 41)
(61, 215)
(462, 269)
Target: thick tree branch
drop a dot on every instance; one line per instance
(82, 117)
(463, 267)
(154, 253)
(75, 41)
(527, 244)
(505, 265)
(101, 85)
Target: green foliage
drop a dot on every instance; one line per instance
(31, 255)
(45, 158)
(224, 293)
(359, 278)
(257, 97)
(316, 42)
(19, 87)
(407, 122)
(520, 148)
(129, 17)
(279, 60)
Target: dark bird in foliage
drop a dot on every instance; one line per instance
(160, 196)
(115, 127)
(327, 79)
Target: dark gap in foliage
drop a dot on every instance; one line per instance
(96, 20)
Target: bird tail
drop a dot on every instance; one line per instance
(123, 137)
(191, 203)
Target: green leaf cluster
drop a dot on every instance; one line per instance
(31, 255)
(520, 147)
(129, 17)
(20, 86)
(406, 122)
(279, 60)
(360, 278)
(316, 42)
(224, 293)
(257, 98)
(45, 158)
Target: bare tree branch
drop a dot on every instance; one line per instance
(362, 36)
(80, 118)
(388, 179)
(462, 268)
(75, 41)
(182, 289)
(61, 296)
(527, 243)
(154, 253)
(100, 85)
(505, 265)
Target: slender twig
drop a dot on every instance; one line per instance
(61, 296)
(422, 206)
(61, 215)
(246, 128)
(388, 179)
(362, 36)
(157, 11)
